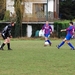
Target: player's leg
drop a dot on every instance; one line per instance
(68, 42)
(3, 44)
(72, 47)
(46, 39)
(49, 40)
(61, 44)
(8, 43)
(68, 37)
(1, 48)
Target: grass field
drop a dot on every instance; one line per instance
(30, 57)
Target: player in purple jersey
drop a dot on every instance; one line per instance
(47, 31)
(68, 36)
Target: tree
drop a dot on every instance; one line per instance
(66, 9)
(19, 9)
(2, 8)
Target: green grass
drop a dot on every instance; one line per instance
(30, 57)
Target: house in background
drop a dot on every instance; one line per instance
(10, 6)
(36, 10)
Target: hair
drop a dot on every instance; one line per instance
(12, 22)
(71, 23)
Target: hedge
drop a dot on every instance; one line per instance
(58, 25)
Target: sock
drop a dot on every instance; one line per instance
(70, 45)
(49, 41)
(61, 44)
(8, 44)
(2, 45)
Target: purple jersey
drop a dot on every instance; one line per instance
(47, 29)
(70, 30)
(74, 27)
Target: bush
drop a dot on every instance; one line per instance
(58, 25)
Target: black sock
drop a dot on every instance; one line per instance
(2, 45)
(8, 44)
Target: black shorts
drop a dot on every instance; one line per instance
(5, 35)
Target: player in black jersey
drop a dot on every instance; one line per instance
(6, 34)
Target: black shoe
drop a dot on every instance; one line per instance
(9, 49)
(57, 46)
(50, 44)
(45, 45)
(72, 48)
(1, 49)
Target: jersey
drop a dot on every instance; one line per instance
(6, 32)
(69, 32)
(47, 29)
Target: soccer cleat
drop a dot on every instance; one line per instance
(1, 49)
(45, 45)
(9, 49)
(57, 46)
(50, 44)
(72, 48)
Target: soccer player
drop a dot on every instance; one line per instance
(47, 31)
(68, 36)
(6, 34)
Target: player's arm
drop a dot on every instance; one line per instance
(50, 29)
(9, 33)
(43, 28)
(73, 31)
(67, 29)
(63, 30)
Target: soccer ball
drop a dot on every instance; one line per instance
(46, 43)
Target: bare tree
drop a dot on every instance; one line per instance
(2, 8)
(19, 9)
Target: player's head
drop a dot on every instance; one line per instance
(12, 23)
(46, 22)
(71, 23)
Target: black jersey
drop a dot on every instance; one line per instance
(7, 31)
